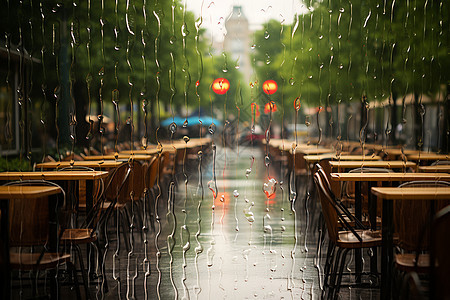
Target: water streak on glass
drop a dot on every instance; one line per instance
(143, 93)
(172, 220)
(75, 43)
(158, 226)
(57, 90)
(101, 74)
(45, 102)
(130, 18)
(89, 78)
(212, 185)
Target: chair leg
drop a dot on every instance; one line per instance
(124, 230)
(341, 270)
(73, 273)
(328, 261)
(335, 266)
(100, 261)
(83, 271)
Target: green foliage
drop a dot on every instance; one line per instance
(14, 164)
(344, 51)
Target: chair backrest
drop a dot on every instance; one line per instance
(115, 181)
(29, 218)
(440, 246)
(153, 169)
(329, 213)
(136, 183)
(334, 185)
(412, 218)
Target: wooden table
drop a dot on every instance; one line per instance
(151, 150)
(428, 156)
(398, 151)
(434, 169)
(24, 192)
(387, 194)
(316, 158)
(394, 164)
(121, 157)
(95, 164)
(314, 150)
(372, 178)
(87, 177)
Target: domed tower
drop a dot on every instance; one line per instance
(237, 41)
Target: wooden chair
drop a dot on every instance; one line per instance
(29, 228)
(412, 220)
(342, 240)
(440, 245)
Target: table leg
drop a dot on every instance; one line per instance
(89, 207)
(53, 241)
(386, 250)
(358, 214)
(373, 226)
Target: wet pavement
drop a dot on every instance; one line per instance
(240, 245)
(247, 247)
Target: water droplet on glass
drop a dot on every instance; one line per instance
(247, 172)
(212, 128)
(267, 229)
(185, 123)
(266, 35)
(297, 103)
(186, 138)
(173, 128)
(173, 39)
(253, 47)
(267, 160)
(235, 193)
(292, 196)
(211, 186)
(269, 187)
(341, 9)
(291, 81)
(249, 215)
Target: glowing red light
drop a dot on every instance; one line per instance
(270, 87)
(220, 86)
(255, 109)
(270, 106)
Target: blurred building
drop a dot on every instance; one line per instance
(237, 42)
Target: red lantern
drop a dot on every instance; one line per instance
(270, 106)
(270, 87)
(220, 86)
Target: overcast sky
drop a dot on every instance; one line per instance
(256, 11)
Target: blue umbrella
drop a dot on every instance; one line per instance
(192, 121)
(206, 120)
(178, 120)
